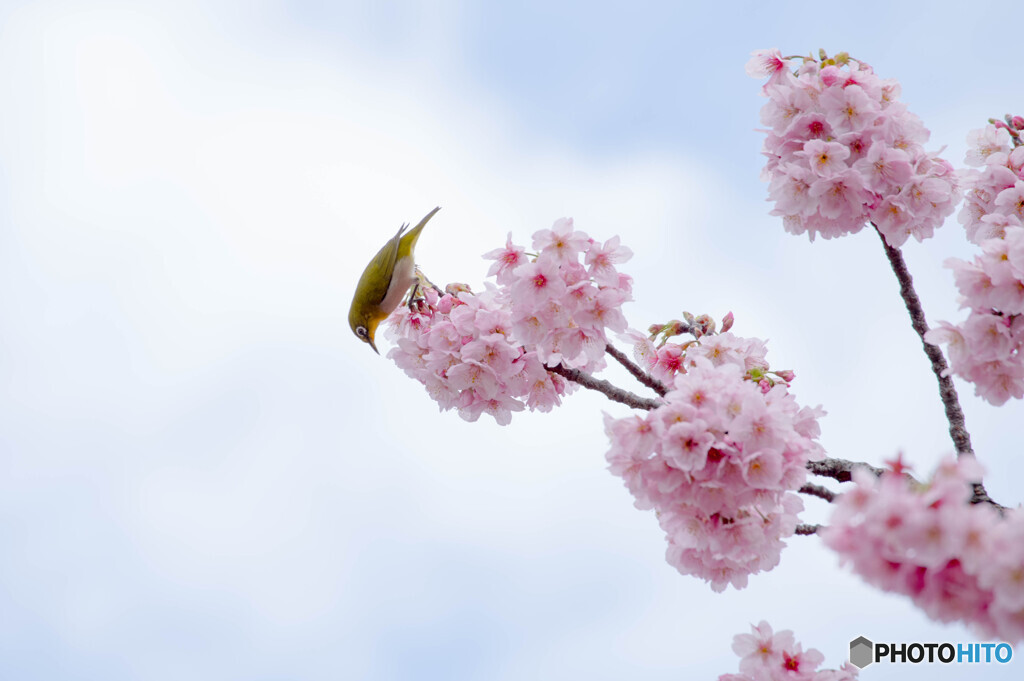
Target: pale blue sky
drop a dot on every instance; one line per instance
(203, 475)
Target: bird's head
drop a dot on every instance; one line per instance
(364, 321)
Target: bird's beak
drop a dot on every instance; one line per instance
(370, 341)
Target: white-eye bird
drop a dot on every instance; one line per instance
(385, 282)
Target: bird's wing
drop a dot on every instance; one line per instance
(376, 287)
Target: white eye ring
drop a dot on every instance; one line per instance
(362, 332)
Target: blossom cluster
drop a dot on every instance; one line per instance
(718, 461)
(561, 306)
(489, 352)
(956, 561)
(664, 360)
(769, 656)
(843, 150)
(994, 184)
(986, 348)
(458, 346)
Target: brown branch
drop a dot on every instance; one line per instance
(980, 496)
(947, 391)
(805, 529)
(818, 491)
(604, 387)
(842, 470)
(637, 373)
(839, 469)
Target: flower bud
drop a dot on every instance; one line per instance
(678, 328)
(456, 288)
(705, 324)
(830, 75)
(446, 303)
(727, 322)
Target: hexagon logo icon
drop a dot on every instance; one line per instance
(861, 652)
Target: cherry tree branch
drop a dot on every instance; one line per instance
(804, 528)
(980, 496)
(839, 469)
(818, 491)
(947, 391)
(842, 471)
(637, 373)
(604, 387)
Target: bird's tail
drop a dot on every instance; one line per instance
(410, 238)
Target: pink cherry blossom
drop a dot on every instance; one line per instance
(985, 142)
(842, 150)
(769, 656)
(1010, 201)
(987, 348)
(719, 459)
(824, 158)
(536, 282)
(954, 559)
(506, 259)
(601, 261)
(487, 353)
(561, 243)
(884, 168)
(848, 107)
(766, 63)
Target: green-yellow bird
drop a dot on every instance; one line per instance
(385, 282)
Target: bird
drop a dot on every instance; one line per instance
(385, 281)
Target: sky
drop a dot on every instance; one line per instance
(204, 475)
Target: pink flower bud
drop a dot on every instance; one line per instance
(703, 325)
(678, 328)
(830, 75)
(727, 322)
(456, 288)
(445, 305)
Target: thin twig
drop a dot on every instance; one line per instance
(947, 391)
(818, 491)
(637, 373)
(610, 391)
(839, 469)
(842, 470)
(804, 528)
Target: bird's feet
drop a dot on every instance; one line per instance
(423, 280)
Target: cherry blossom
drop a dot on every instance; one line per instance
(719, 460)
(769, 656)
(956, 560)
(488, 353)
(843, 151)
(986, 348)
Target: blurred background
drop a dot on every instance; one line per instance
(204, 475)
